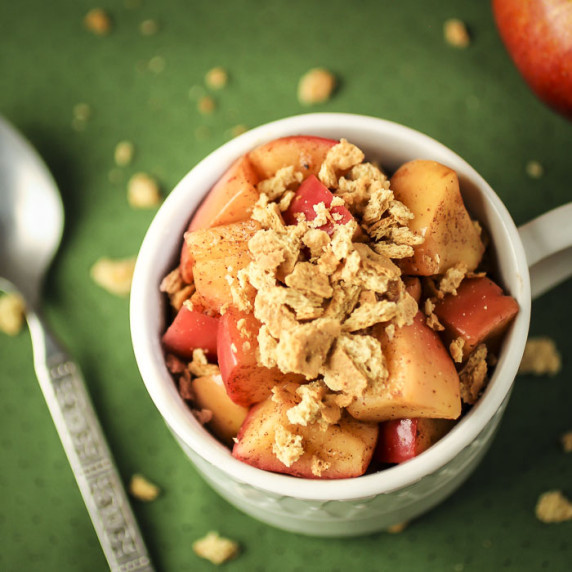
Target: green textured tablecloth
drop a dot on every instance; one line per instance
(392, 62)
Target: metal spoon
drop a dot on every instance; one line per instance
(31, 222)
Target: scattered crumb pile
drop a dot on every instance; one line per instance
(215, 548)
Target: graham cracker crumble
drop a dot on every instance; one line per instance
(114, 275)
(339, 159)
(456, 349)
(176, 289)
(541, 357)
(456, 33)
(143, 489)
(12, 312)
(143, 191)
(553, 506)
(316, 86)
(473, 376)
(287, 446)
(215, 548)
(566, 440)
(98, 22)
(199, 366)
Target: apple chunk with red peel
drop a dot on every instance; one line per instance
(191, 330)
(344, 449)
(422, 382)
(431, 191)
(227, 417)
(306, 153)
(231, 199)
(403, 439)
(479, 313)
(310, 193)
(245, 380)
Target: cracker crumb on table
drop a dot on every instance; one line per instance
(123, 154)
(142, 489)
(98, 22)
(541, 357)
(114, 275)
(566, 440)
(143, 191)
(456, 33)
(216, 78)
(553, 506)
(12, 308)
(216, 548)
(316, 86)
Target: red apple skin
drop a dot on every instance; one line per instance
(479, 313)
(312, 192)
(402, 439)
(231, 199)
(189, 331)
(245, 381)
(538, 37)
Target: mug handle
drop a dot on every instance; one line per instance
(547, 241)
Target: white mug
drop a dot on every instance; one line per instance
(540, 250)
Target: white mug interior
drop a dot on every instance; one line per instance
(390, 144)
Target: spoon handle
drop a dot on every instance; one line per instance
(87, 451)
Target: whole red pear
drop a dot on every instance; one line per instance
(538, 37)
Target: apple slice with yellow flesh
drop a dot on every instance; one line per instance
(216, 255)
(231, 199)
(227, 417)
(344, 448)
(423, 381)
(306, 153)
(245, 380)
(431, 191)
(479, 313)
(403, 439)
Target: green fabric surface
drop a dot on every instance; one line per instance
(392, 62)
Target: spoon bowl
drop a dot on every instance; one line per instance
(31, 215)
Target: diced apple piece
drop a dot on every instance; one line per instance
(431, 191)
(217, 242)
(189, 331)
(213, 279)
(245, 380)
(227, 416)
(413, 287)
(479, 313)
(345, 448)
(305, 153)
(310, 193)
(231, 199)
(403, 439)
(423, 381)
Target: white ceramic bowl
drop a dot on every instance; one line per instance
(349, 506)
